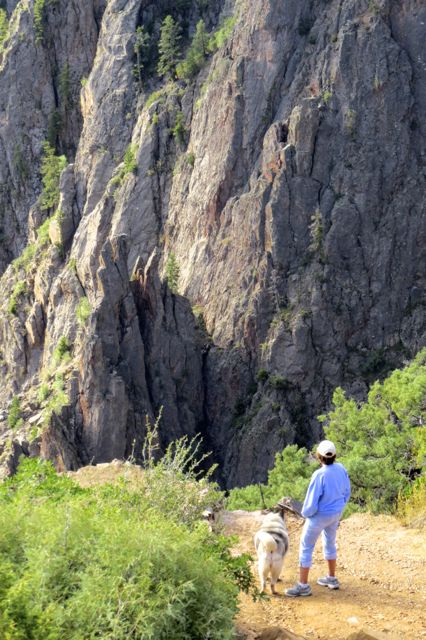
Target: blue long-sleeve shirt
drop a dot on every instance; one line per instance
(328, 491)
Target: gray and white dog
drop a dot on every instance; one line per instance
(271, 542)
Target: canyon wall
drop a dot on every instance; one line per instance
(230, 248)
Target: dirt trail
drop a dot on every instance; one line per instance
(382, 570)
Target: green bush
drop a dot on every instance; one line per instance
(3, 26)
(51, 169)
(14, 419)
(222, 35)
(43, 232)
(19, 290)
(111, 561)
(172, 273)
(62, 351)
(39, 20)
(130, 165)
(179, 130)
(289, 477)
(279, 383)
(382, 442)
(130, 162)
(43, 392)
(40, 17)
(155, 96)
(83, 310)
(58, 399)
(190, 159)
(196, 54)
(25, 259)
(262, 375)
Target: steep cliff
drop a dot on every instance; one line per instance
(230, 246)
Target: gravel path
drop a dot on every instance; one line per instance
(382, 570)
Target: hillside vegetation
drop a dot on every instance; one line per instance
(118, 561)
(131, 559)
(381, 442)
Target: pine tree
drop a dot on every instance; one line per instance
(201, 40)
(3, 25)
(65, 87)
(169, 46)
(141, 49)
(172, 273)
(196, 55)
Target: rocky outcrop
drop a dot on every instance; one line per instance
(41, 69)
(288, 183)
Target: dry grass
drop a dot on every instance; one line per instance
(107, 473)
(412, 508)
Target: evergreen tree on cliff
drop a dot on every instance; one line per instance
(169, 46)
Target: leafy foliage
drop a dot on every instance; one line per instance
(40, 7)
(190, 158)
(62, 350)
(43, 232)
(130, 165)
(83, 310)
(43, 392)
(57, 398)
(3, 26)
(51, 169)
(262, 375)
(130, 162)
(39, 20)
(172, 273)
(14, 419)
(196, 54)
(19, 290)
(179, 130)
(289, 477)
(382, 442)
(91, 563)
(222, 35)
(24, 260)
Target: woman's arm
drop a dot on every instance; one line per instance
(313, 494)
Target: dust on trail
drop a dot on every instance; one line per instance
(381, 568)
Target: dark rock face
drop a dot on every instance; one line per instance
(36, 105)
(293, 200)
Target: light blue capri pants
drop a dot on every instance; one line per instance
(319, 523)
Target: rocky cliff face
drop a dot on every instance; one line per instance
(288, 182)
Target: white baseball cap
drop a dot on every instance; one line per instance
(326, 448)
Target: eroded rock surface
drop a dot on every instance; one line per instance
(292, 195)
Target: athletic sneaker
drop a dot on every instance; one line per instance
(298, 590)
(328, 581)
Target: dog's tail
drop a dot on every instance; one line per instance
(269, 544)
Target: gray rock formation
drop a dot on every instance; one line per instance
(288, 180)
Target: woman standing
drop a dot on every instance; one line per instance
(328, 492)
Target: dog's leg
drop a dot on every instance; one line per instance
(276, 566)
(263, 573)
